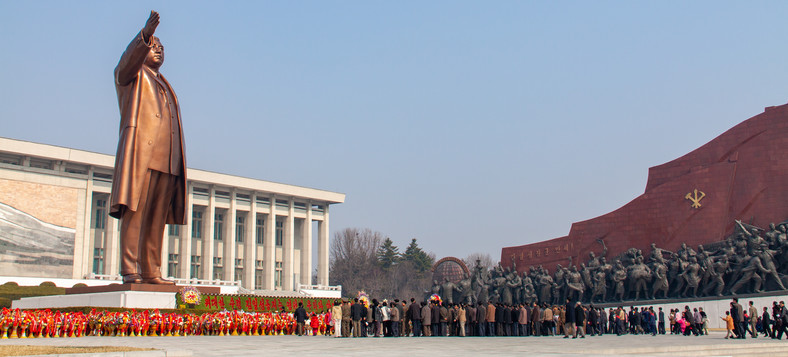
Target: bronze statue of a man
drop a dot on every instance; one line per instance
(149, 183)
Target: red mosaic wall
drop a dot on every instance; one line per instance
(743, 172)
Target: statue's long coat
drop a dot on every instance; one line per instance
(141, 98)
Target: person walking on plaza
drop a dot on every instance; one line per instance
(580, 320)
(766, 322)
(753, 315)
(621, 321)
(728, 324)
(776, 316)
(336, 315)
(661, 322)
(738, 319)
(783, 319)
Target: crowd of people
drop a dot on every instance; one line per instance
(396, 318)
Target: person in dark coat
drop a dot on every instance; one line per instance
(513, 323)
(536, 320)
(766, 322)
(580, 320)
(569, 320)
(500, 312)
(593, 321)
(300, 317)
(414, 313)
(355, 315)
(481, 315)
(435, 312)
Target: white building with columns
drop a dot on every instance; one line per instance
(54, 223)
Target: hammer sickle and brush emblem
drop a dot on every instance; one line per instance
(695, 199)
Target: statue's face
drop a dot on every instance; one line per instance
(155, 56)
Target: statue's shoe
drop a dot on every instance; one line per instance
(159, 281)
(132, 279)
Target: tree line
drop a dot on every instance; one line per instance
(366, 260)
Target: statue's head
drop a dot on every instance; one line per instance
(653, 245)
(155, 56)
(591, 254)
(603, 260)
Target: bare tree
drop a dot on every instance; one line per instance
(485, 260)
(353, 263)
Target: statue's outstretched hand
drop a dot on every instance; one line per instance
(150, 25)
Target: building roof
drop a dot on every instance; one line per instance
(60, 153)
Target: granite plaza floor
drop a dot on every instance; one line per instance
(607, 345)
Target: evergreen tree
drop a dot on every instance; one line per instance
(421, 261)
(388, 254)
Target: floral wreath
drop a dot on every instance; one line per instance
(436, 298)
(363, 298)
(191, 295)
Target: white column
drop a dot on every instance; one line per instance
(207, 238)
(185, 253)
(165, 252)
(83, 249)
(229, 240)
(306, 247)
(269, 249)
(322, 250)
(287, 249)
(112, 247)
(250, 244)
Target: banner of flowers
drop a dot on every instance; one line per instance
(254, 303)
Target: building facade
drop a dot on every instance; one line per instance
(54, 223)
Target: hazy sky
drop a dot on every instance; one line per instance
(470, 125)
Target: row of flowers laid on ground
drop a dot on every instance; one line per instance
(46, 323)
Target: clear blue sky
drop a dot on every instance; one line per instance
(470, 125)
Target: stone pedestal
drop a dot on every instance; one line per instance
(124, 299)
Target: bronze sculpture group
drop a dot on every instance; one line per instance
(749, 261)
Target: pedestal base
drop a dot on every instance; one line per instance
(118, 299)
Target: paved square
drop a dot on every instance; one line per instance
(608, 345)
